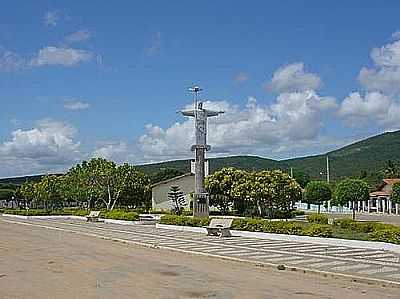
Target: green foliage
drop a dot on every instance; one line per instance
(317, 218)
(391, 169)
(6, 194)
(317, 192)
(120, 215)
(319, 230)
(184, 220)
(43, 212)
(341, 228)
(351, 190)
(362, 227)
(391, 235)
(395, 196)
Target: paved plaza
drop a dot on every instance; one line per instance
(363, 263)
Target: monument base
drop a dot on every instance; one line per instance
(201, 205)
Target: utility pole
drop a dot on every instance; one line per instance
(327, 169)
(201, 205)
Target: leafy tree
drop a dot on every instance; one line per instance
(351, 190)
(395, 196)
(301, 178)
(177, 197)
(269, 191)
(220, 186)
(391, 170)
(317, 192)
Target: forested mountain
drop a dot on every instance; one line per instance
(364, 158)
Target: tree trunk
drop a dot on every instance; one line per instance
(319, 208)
(354, 212)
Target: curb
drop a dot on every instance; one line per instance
(72, 217)
(294, 238)
(347, 277)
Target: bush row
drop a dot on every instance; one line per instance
(115, 214)
(317, 218)
(42, 212)
(257, 225)
(362, 227)
(120, 215)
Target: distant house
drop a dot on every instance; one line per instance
(379, 201)
(160, 191)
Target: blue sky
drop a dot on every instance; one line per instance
(83, 79)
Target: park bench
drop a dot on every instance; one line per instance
(93, 216)
(219, 227)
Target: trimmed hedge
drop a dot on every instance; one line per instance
(120, 215)
(115, 214)
(256, 225)
(42, 212)
(317, 218)
(362, 227)
(387, 235)
(184, 220)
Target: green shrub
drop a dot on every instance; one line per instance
(120, 215)
(317, 218)
(42, 212)
(362, 227)
(391, 235)
(319, 230)
(184, 220)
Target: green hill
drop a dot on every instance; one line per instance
(369, 155)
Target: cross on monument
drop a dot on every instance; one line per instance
(201, 205)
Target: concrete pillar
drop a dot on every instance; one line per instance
(384, 205)
(390, 206)
(378, 205)
(363, 205)
(369, 205)
(397, 209)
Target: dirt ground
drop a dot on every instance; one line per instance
(41, 263)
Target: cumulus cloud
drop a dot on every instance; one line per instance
(78, 36)
(51, 18)
(292, 78)
(380, 102)
(359, 110)
(385, 75)
(61, 56)
(255, 128)
(76, 105)
(50, 145)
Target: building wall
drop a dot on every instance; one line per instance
(160, 192)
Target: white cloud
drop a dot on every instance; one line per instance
(255, 129)
(61, 56)
(76, 105)
(118, 151)
(381, 102)
(385, 76)
(374, 106)
(78, 36)
(51, 18)
(292, 78)
(155, 46)
(49, 146)
(10, 61)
